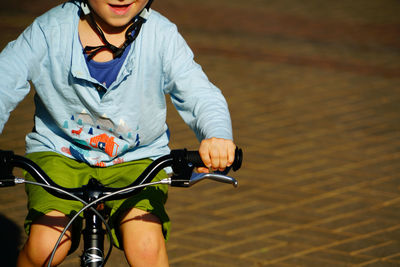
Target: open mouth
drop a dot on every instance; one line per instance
(120, 9)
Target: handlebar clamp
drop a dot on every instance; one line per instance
(181, 167)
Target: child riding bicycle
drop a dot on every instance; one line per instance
(101, 69)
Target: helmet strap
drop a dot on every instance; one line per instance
(85, 8)
(130, 35)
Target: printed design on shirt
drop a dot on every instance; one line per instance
(77, 132)
(101, 134)
(118, 161)
(105, 143)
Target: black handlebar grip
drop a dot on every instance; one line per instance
(194, 158)
(5, 167)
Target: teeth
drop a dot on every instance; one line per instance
(119, 5)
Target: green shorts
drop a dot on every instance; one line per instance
(70, 173)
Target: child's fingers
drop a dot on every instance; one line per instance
(226, 154)
(203, 170)
(204, 154)
(231, 153)
(217, 153)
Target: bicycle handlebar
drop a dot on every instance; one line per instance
(182, 162)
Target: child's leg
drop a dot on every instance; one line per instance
(143, 240)
(44, 233)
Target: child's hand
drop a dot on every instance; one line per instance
(217, 154)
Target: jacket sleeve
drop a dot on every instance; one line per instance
(201, 105)
(17, 67)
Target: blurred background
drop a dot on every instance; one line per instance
(314, 90)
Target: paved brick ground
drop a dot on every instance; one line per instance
(313, 89)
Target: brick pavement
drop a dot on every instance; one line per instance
(313, 90)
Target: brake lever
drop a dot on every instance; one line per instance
(197, 177)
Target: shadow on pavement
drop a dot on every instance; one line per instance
(10, 235)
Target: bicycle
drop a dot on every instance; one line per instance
(93, 194)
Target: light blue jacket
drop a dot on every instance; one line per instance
(129, 121)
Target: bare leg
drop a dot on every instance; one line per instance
(43, 236)
(143, 241)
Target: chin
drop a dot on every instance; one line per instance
(119, 23)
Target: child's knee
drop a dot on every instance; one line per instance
(42, 239)
(147, 245)
(38, 252)
(143, 241)
(146, 250)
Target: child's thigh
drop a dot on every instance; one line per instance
(143, 239)
(47, 228)
(44, 234)
(137, 223)
(65, 172)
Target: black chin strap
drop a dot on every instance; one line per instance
(116, 51)
(129, 37)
